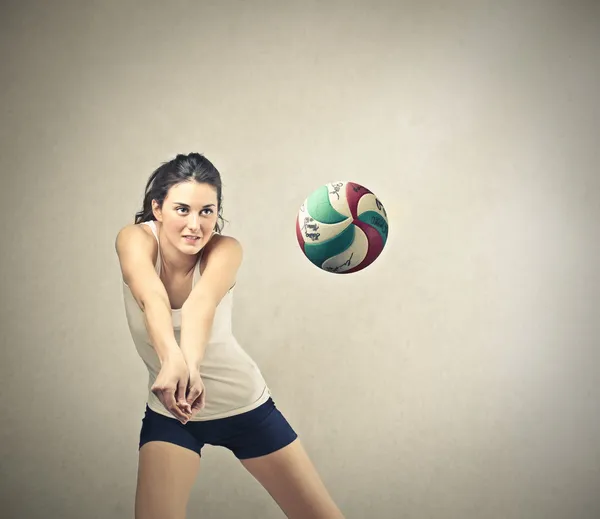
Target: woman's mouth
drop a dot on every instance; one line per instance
(191, 239)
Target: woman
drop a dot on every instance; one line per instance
(178, 275)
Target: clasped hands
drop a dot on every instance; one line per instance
(179, 386)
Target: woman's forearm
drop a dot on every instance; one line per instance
(159, 323)
(196, 326)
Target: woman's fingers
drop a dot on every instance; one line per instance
(170, 387)
(167, 397)
(198, 404)
(181, 401)
(196, 392)
(192, 395)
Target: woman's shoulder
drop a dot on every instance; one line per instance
(219, 247)
(135, 230)
(134, 235)
(223, 242)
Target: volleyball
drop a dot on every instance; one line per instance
(342, 227)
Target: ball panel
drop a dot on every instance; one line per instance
(313, 231)
(299, 234)
(319, 207)
(370, 202)
(375, 246)
(337, 197)
(351, 257)
(375, 220)
(354, 192)
(319, 252)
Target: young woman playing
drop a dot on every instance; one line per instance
(178, 276)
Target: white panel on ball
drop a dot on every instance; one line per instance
(352, 256)
(313, 231)
(337, 197)
(368, 202)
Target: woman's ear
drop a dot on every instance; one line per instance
(156, 211)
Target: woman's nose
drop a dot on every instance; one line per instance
(194, 223)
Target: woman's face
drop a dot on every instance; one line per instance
(188, 215)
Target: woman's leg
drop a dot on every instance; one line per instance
(293, 482)
(166, 474)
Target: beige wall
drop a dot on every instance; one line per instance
(456, 378)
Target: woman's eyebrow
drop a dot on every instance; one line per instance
(186, 205)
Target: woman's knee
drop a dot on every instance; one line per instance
(166, 474)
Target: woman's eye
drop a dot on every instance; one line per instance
(182, 210)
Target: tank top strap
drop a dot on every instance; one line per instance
(152, 225)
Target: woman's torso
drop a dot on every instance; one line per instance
(232, 380)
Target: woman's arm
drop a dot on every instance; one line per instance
(135, 249)
(223, 260)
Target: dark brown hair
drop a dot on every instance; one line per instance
(183, 168)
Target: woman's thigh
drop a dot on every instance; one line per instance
(294, 483)
(166, 474)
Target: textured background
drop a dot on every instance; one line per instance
(458, 377)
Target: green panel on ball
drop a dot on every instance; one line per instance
(375, 220)
(319, 252)
(319, 207)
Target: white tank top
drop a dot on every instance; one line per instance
(232, 380)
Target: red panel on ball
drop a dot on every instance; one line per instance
(353, 193)
(375, 246)
(299, 235)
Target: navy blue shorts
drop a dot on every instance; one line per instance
(248, 435)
